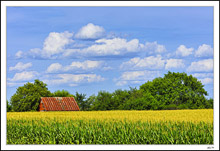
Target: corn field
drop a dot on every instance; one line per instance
(111, 127)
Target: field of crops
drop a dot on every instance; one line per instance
(111, 127)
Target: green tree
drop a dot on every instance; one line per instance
(8, 106)
(140, 100)
(62, 93)
(27, 97)
(119, 98)
(103, 101)
(89, 103)
(80, 99)
(175, 89)
(209, 104)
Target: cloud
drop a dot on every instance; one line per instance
(54, 67)
(88, 64)
(85, 65)
(12, 84)
(202, 75)
(55, 42)
(145, 63)
(153, 47)
(121, 83)
(35, 53)
(183, 51)
(72, 53)
(201, 66)
(102, 47)
(136, 77)
(206, 80)
(132, 75)
(136, 82)
(19, 54)
(90, 31)
(74, 79)
(115, 46)
(20, 66)
(59, 45)
(73, 85)
(106, 68)
(174, 63)
(24, 76)
(204, 51)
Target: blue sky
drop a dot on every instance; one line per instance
(88, 49)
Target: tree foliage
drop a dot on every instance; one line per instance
(27, 97)
(89, 103)
(176, 89)
(103, 101)
(9, 107)
(173, 91)
(62, 93)
(120, 98)
(80, 99)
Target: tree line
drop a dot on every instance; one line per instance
(173, 91)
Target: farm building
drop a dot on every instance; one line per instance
(58, 104)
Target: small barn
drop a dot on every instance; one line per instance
(58, 104)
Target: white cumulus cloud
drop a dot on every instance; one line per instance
(206, 80)
(35, 53)
(19, 54)
(55, 42)
(136, 77)
(115, 46)
(54, 45)
(132, 75)
(59, 45)
(150, 62)
(20, 66)
(174, 63)
(54, 67)
(121, 83)
(154, 47)
(24, 76)
(183, 51)
(204, 51)
(88, 64)
(85, 65)
(202, 75)
(201, 66)
(75, 79)
(72, 53)
(90, 31)
(12, 84)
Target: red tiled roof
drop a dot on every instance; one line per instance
(58, 104)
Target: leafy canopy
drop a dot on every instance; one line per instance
(173, 91)
(9, 107)
(176, 89)
(62, 93)
(27, 97)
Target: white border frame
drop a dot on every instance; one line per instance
(215, 4)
